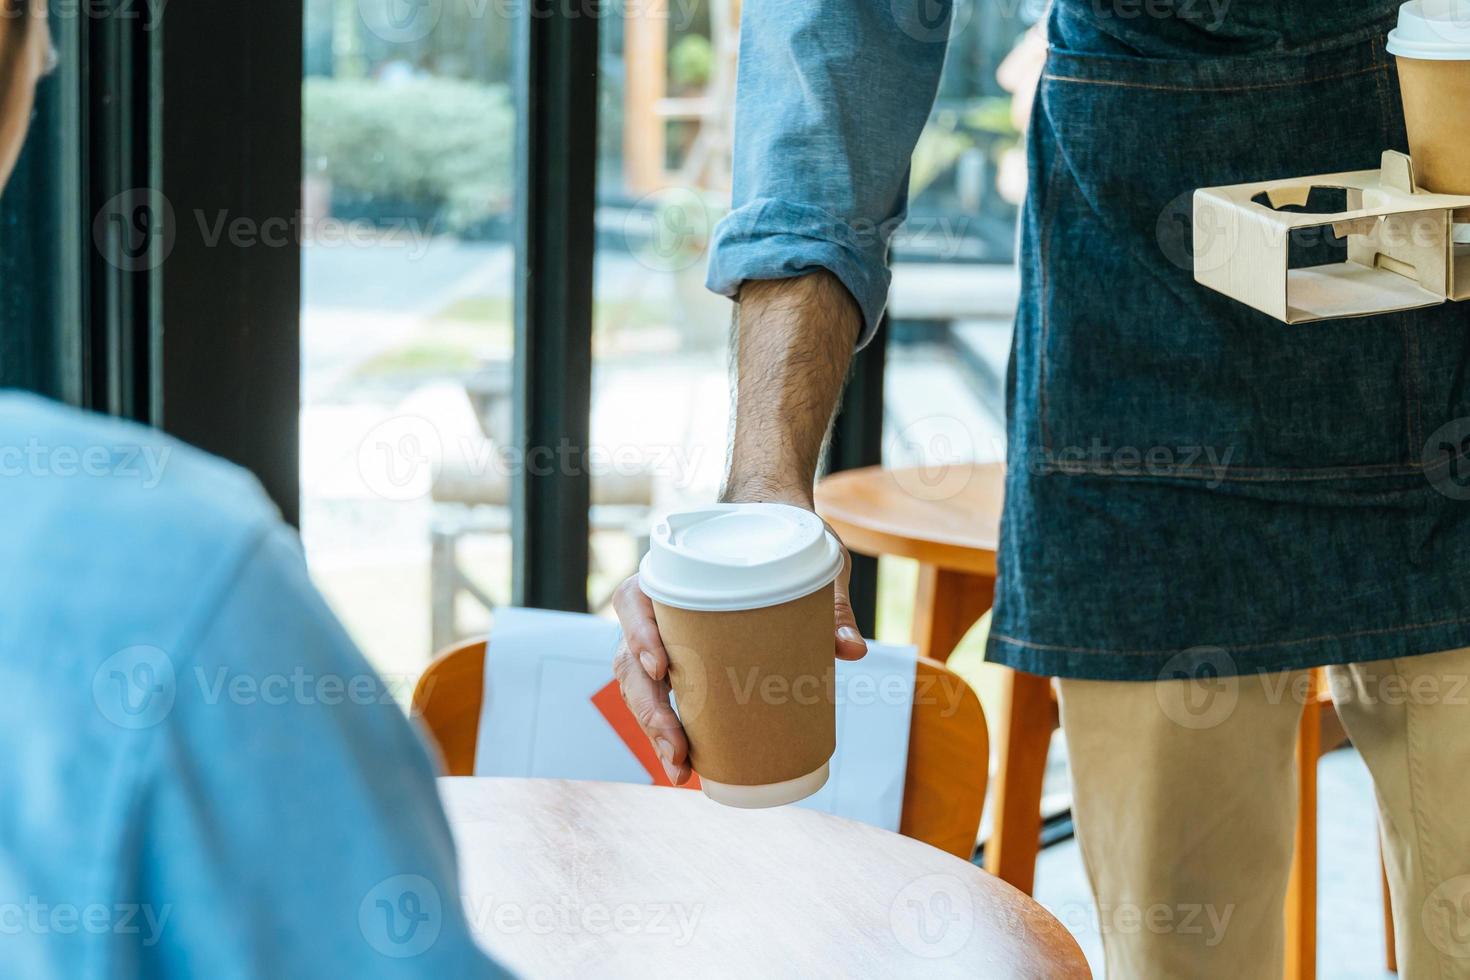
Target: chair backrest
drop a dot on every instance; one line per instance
(949, 745)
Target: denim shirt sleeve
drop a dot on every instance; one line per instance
(831, 99)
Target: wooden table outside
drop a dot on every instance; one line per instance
(573, 879)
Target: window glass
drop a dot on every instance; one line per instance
(407, 191)
(660, 391)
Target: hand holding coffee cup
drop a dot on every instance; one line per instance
(750, 604)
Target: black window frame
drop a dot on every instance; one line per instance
(135, 311)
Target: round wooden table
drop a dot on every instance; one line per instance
(944, 516)
(574, 879)
(947, 518)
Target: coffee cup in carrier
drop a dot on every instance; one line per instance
(1432, 46)
(743, 598)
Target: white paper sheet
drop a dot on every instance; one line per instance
(542, 669)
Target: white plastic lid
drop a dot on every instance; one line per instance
(738, 556)
(1432, 30)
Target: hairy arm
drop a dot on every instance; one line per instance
(795, 339)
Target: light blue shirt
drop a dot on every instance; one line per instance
(202, 776)
(832, 97)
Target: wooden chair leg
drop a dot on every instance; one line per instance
(1015, 837)
(1301, 892)
(947, 605)
(1391, 953)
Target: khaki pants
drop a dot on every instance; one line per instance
(1184, 794)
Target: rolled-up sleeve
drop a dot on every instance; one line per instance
(831, 98)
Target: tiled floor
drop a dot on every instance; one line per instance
(1350, 911)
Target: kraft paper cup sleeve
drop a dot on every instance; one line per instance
(1436, 97)
(755, 689)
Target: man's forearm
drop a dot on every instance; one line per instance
(794, 342)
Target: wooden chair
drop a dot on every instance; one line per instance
(1321, 731)
(949, 746)
(948, 520)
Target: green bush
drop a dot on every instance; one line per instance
(432, 146)
(691, 63)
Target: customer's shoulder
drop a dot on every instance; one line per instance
(106, 500)
(48, 448)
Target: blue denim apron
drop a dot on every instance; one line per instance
(1193, 486)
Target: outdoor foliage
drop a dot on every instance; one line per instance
(423, 148)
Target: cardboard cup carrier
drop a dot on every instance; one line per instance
(743, 598)
(1432, 45)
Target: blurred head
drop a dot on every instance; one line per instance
(25, 55)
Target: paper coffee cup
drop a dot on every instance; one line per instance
(1432, 45)
(743, 598)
